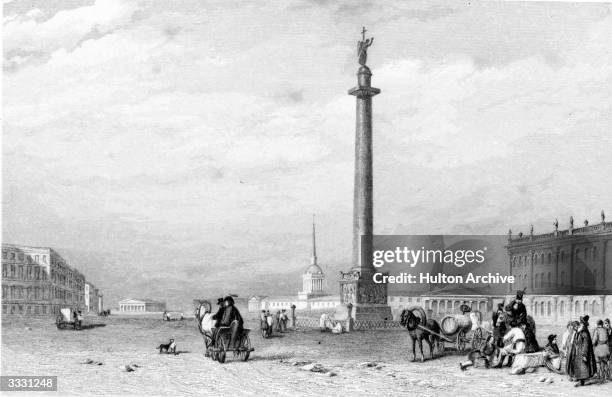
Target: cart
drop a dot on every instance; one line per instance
(65, 319)
(461, 332)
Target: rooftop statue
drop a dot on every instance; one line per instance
(362, 47)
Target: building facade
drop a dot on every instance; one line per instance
(135, 306)
(93, 299)
(576, 261)
(38, 281)
(565, 274)
(312, 297)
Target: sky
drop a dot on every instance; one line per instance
(179, 149)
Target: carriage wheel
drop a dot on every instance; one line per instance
(477, 338)
(460, 343)
(246, 344)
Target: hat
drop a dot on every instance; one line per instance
(551, 338)
(219, 301)
(229, 299)
(585, 320)
(519, 294)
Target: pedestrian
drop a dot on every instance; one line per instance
(499, 326)
(581, 363)
(600, 344)
(608, 329)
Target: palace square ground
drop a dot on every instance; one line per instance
(44, 350)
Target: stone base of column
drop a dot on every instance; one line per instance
(372, 312)
(368, 300)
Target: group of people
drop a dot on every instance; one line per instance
(514, 333)
(277, 322)
(583, 353)
(228, 315)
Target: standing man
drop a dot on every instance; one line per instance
(608, 329)
(581, 361)
(517, 309)
(518, 312)
(600, 344)
(499, 327)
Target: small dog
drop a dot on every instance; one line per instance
(167, 347)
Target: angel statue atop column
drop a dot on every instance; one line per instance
(362, 47)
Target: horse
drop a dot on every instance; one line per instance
(412, 322)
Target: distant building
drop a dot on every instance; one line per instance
(38, 281)
(141, 306)
(312, 296)
(93, 299)
(565, 274)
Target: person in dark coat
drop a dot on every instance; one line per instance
(233, 319)
(581, 363)
(552, 347)
(518, 312)
(218, 316)
(517, 309)
(498, 330)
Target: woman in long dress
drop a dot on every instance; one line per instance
(581, 361)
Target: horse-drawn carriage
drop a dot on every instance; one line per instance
(68, 318)
(461, 330)
(218, 341)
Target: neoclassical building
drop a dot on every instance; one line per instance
(38, 281)
(573, 261)
(312, 296)
(565, 274)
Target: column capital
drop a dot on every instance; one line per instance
(364, 92)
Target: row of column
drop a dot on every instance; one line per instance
(132, 308)
(452, 306)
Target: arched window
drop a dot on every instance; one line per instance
(587, 278)
(594, 252)
(535, 259)
(585, 307)
(542, 258)
(525, 280)
(562, 308)
(535, 284)
(577, 308)
(542, 308)
(549, 309)
(595, 308)
(541, 280)
(549, 280)
(549, 258)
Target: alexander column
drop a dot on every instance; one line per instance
(368, 299)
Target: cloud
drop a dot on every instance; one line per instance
(172, 125)
(65, 29)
